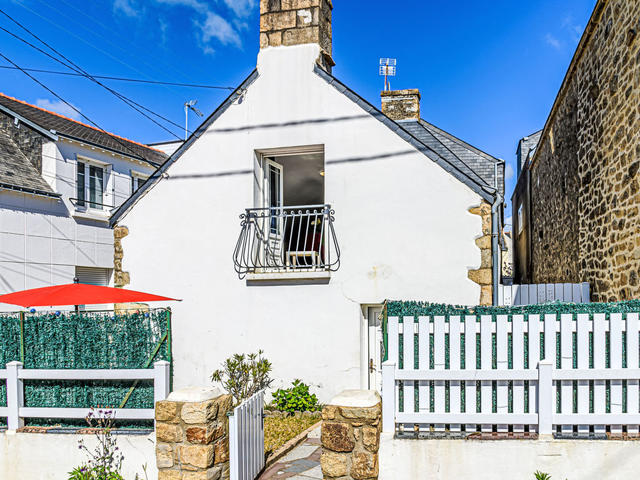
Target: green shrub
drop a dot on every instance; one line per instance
(542, 476)
(244, 375)
(295, 399)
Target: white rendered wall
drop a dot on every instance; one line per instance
(401, 222)
(507, 459)
(41, 242)
(34, 456)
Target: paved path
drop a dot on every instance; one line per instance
(301, 463)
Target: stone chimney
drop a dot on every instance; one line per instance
(298, 22)
(401, 104)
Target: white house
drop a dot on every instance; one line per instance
(59, 181)
(297, 208)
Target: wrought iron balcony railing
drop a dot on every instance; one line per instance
(287, 239)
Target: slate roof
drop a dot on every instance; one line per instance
(473, 162)
(75, 130)
(526, 148)
(17, 172)
(451, 153)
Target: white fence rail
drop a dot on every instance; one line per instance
(246, 439)
(484, 373)
(543, 293)
(16, 412)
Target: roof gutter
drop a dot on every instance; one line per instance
(30, 191)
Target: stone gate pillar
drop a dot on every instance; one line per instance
(192, 435)
(351, 425)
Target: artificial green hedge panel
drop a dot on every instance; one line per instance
(86, 340)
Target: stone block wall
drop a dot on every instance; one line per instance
(483, 276)
(585, 187)
(192, 437)
(351, 426)
(297, 22)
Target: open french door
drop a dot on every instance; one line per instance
(274, 202)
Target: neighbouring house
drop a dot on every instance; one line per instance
(297, 207)
(59, 181)
(575, 209)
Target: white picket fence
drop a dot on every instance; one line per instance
(246, 439)
(543, 293)
(491, 389)
(16, 412)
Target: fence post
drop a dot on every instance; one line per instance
(389, 396)
(234, 464)
(546, 399)
(160, 380)
(15, 396)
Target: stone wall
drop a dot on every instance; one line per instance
(483, 275)
(401, 104)
(29, 141)
(120, 278)
(585, 191)
(192, 435)
(297, 22)
(351, 425)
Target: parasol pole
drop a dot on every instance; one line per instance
(76, 307)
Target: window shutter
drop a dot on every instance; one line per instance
(93, 276)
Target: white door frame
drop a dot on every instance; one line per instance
(371, 347)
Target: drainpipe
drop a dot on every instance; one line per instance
(495, 245)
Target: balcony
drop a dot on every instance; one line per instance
(293, 241)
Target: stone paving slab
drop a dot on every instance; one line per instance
(302, 463)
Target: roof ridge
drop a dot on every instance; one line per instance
(79, 123)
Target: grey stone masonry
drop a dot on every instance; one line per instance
(298, 22)
(401, 104)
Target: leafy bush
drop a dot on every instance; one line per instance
(244, 375)
(542, 476)
(105, 460)
(295, 399)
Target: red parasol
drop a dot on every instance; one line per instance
(77, 294)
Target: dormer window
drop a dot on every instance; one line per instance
(91, 182)
(137, 179)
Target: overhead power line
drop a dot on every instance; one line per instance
(122, 79)
(72, 107)
(73, 66)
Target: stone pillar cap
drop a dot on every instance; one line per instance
(356, 398)
(195, 394)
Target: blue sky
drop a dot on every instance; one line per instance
(488, 71)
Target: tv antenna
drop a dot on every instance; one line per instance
(387, 69)
(190, 105)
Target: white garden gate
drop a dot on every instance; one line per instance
(485, 373)
(246, 438)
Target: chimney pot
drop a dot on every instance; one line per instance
(401, 104)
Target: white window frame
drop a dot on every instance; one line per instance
(520, 220)
(138, 177)
(106, 184)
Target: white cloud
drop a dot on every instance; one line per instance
(242, 8)
(574, 30)
(58, 106)
(211, 26)
(217, 27)
(553, 41)
(508, 172)
(128, 7)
